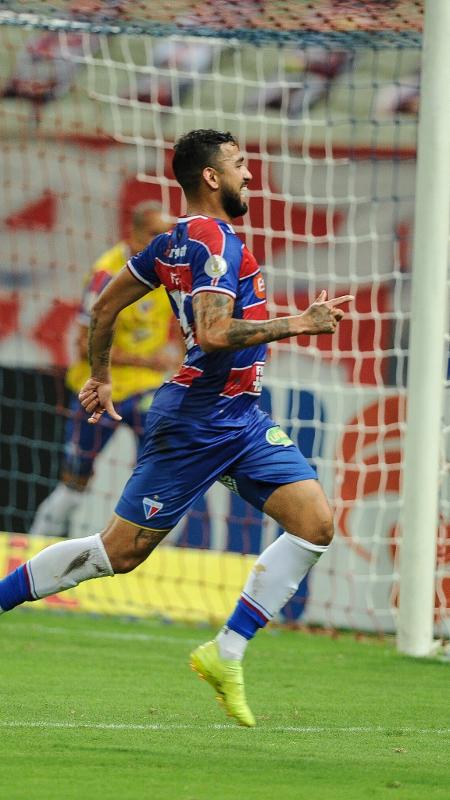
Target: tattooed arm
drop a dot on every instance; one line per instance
(122, 291)
(218, 330)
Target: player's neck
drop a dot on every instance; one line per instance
(206, 209)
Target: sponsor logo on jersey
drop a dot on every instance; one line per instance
(259, 287)
(244, 379)
(277, 436)
(151, 507)
(216, 266)
(177, 252)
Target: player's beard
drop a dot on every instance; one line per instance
(232, 202)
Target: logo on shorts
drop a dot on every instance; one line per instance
(216, 266)
(151, 507)
(229, 482)
(277, 436)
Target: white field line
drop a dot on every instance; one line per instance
(93, 634)
(162, 728)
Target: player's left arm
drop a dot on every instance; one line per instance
(217, 329)
(122, 291)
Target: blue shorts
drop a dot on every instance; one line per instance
(83, 442)
(181, 459)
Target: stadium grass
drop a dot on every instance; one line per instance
(104, 708)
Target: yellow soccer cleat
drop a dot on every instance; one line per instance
(226, 677)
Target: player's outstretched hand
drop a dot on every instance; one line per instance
(323, 315)
(95, 397)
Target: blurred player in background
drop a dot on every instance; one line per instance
(142, 353)
(205, 423)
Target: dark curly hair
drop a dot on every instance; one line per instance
(193, 152)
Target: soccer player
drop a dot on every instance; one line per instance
(205, 423)
(140, 357)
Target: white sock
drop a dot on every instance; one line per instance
(278, 571)
(274, 579)
(231, 644)
(53, 516)
(66, 564)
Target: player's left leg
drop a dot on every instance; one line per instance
(160, 490)
(302, 511)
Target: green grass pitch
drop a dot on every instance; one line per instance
(104, 708)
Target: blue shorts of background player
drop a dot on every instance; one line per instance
(181, 458)
(84, 442)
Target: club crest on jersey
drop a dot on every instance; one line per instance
(151, 507)
(216, 266)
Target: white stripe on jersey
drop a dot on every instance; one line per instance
(139, 277)
(252, 274)
(252, 305)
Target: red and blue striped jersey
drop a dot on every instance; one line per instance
(202, 254)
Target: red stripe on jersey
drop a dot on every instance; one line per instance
(256, 311)
(186, 375)
(175, 278)
(209, 233)
(249, 264)
(244, 379)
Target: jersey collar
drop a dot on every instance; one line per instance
(204, 216)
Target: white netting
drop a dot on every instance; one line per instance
(330, 131)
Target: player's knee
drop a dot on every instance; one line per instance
(324, 531)
(75, 481)
(318, 530)
(128, 546)
(123, 564)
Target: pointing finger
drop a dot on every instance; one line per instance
(338, 301)
(322, 296)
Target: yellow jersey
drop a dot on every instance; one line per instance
(141, 329)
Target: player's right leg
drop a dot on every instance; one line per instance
(83, 443)
(272, 474)
(120, 548)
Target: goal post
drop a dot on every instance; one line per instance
(323, 99)
(429, 325)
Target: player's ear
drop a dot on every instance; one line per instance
(210, 175)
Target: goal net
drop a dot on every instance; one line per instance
(323, 98)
